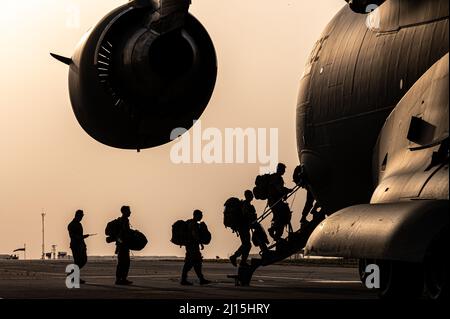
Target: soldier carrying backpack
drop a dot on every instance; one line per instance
(312, 206)
(276, 200)
(193, 235)
(246, 217)
(126, 239)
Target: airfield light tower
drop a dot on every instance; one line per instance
(43, 236)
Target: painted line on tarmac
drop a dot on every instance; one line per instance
(309, 279)
(336, 281)
(284, 278)
(132, 276)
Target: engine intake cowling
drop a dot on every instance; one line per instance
(140, 73)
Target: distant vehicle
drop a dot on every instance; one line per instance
(8, 257)
(62, 255)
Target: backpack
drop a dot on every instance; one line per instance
(135, 240)
(282, 214)
(180, 233)
(259, 236)
(299, 176)
(232, 215)
(112, 230)
(262, 184)
(204, 234)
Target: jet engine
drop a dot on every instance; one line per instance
(146, 68)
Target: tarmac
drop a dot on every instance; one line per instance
(160, 280)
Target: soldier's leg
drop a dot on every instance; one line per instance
(79, 256)
(75, 255)
(123, 263)
(83, 258)
(197, 264)
(126, 263)
(271, 230)
(263, 247)
(79, 259)
(240, 250)
(198, 270)
(277, 227)
(260, 236)
(186, 267)
(279, 232)
(246, 245)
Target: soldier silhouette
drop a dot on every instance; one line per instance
(77, 244)
(193, 257)
(248, 217)
(276, 196)
(122, 249)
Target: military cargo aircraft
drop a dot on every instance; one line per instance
(372, 122)
(372, 128)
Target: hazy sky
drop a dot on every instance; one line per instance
(48, 163)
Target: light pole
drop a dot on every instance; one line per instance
(43, 236)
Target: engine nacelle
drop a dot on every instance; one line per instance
(143, 71)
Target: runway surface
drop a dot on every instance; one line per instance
(160, 280)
